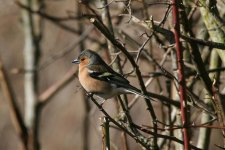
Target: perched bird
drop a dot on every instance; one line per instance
(98, 78)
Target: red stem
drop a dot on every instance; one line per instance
(181, 77)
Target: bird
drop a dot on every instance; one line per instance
(98, 78)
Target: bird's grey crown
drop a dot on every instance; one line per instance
(93, 56)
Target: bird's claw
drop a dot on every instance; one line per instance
(89, 95)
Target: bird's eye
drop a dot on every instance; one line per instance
(82, 59)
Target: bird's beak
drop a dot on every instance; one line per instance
(76, 61)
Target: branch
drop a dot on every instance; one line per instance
(101, 27)
(16, 116)
(165, 136)
(52, 90)
(211, 44)
(138, 138)
(181, 76)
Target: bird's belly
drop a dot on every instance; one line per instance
(95, 86)
(99, 88)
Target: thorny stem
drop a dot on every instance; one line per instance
(101, 27)
(105, 134)
(137, 138)
(107, 20)
(181, 77)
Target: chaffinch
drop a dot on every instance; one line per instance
(98, 78)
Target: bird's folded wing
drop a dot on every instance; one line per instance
(115, 79)
(107, 75)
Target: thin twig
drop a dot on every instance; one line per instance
(165, 137)
(53, 89)
(211, 44)
(105, 134)
(15, 114)
(137, 138)
(51, 59)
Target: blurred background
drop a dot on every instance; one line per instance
(40, 38)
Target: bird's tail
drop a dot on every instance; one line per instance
(153, 96)
(134, 90)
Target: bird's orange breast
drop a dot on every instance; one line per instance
(90, 84)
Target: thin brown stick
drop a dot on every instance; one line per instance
(52, 90)
(86, 122)
(105, 134)
(16, 117)
(138, 138)
(211, 44)
(172, 138)
(125, 143)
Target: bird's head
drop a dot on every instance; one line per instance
(88, 57)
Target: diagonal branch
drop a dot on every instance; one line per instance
(13, 108)
(52, 90)
(101, 27)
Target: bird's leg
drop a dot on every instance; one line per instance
(89, 94)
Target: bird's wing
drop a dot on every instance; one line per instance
(106, 74)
